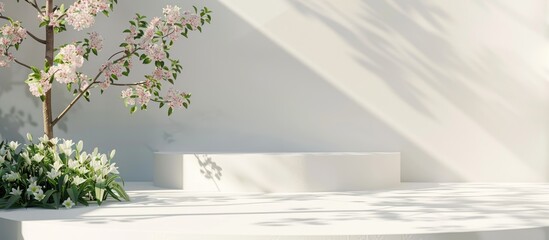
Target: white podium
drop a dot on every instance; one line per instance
(277, 172)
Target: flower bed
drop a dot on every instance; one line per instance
(56, 172)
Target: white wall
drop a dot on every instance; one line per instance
(459, 87)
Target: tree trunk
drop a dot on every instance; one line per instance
(46, 104)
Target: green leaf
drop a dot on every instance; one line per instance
(48, 195)
(120, 190)
(12, 200)
(170, 111)
(99, 194)
(57, 199)
(74, 193)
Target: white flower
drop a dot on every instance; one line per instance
(11, 177)
(13, 145)
(113, 169)
(96, 165)
(16, 192)
(66, 147)
(26, 157)
(44, 139)
(38, 157)
(54, 141)
(83, 170)
(53, 174)
(39, 195)
(32, 179)
(41, 147)
(57, 165)
(68, 203)
(33, 188)
(29, 137)
(99, 179)
(73, 164)
(2, 159)
(113, 152)
(83, 157)
(104, 160)
(79, 146)
(78, 180)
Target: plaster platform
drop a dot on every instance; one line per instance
(412, 211)
(277, 172)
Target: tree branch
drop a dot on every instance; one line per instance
(128, 84)
(35, 5)
(30, 34)
(82, 92)
(22, 64)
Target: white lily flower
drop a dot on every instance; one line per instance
(27, 158)
(83, 170)
(2, 159)
(11, 177)
(44, 139)
(113, 169)
(79, 146)
(68, 203)
(99, 179)
(39, 196)
(32, 179)
(66, 147)
(13, 145)
(38, 157)
(57, 165)
(83, 157)
(16, 192)
(41, 146)
(29, 137)
(78, 180)
(104, 160)
(73, 164)
(53, 174)
(54, 141)
(33, 188)
(113, 152)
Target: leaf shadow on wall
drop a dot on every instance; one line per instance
(478, 81)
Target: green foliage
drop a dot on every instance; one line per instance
(54, 173)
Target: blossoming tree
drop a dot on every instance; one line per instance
(147, 41)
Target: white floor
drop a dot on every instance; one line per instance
(412, 211)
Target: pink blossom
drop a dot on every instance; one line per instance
(155, 52)
(143, 95)
(54, 18)
(83, 81)
(81, 14)
(96, 41)
(172, 14)
(174, 98)
(1, 7)
(104, 85)
(72, 55)
(161, 74)
(127, 93)
(42, 86)
(110, 69)
(191, 19)
(127, 96)
(64, 73)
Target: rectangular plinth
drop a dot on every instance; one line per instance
(277, 172)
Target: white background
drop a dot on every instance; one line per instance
(459, 87)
